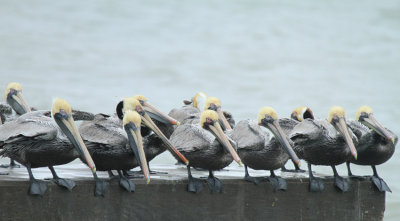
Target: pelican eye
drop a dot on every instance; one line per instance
(209, 121)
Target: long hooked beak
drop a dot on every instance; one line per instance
(219, 134)
(282, 138)
(17, 102)
(136, 143)
(67, 125)
(373, 124)
(342, 128)
(158, 115)
(149, 123)
(222, 118)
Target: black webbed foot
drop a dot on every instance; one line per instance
(101, 187)
(195, 185)
(341, 183)
(278, 183)
(68, 184)
(126, 183)
(380, 184)
(316, 184)
(37, 187)
(214, 184)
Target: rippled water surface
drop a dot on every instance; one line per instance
(247, 53)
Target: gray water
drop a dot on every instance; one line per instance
(248, 53)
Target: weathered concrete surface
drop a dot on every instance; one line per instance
(166, 198)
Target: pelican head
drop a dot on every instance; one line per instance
(301, 113)
(62, 114)
(365, 116)
(268, 118)
(209, 121)
(129, 103)
(132, 121)
(134, 104)
(15, 99)
(337, 118)
(213, 103)
(154, 112)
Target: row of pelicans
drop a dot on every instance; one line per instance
(199, 134)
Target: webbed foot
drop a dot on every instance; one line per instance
(68, 184)
(278, 183)
(37, 187)
(195, 185)
(214, 184)
(380, 184)
(101, 187)
(341, 183)
(316, 185)
(127, 184)
(4, 173)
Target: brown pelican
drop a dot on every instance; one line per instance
(109, 145)
(35, 140)
(258, 151)
(211, 151)
(375, 146)
(116, 145)
(13, 96)
(298, 115)
(322, 142)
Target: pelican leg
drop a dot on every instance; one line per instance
(36, 187)
(214, 184)
(69, 184)
(350, 174)
(340, 182)
(316, 184)
(278, 183)
(11, 165)
(379, 182)
(101, 186)
(194, 185)
(125, 182)
(247, 177)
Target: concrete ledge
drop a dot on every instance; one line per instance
(167, 199)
